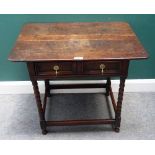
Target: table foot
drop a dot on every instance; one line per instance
(44, 132)
(117, 129)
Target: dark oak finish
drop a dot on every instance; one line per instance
(62, 50)
(113, 100)
(119, 104)
(81, 122)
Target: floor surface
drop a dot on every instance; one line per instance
(19, 117)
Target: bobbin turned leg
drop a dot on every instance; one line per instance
(108, 84)
(119, 104)
(39, 106)
(47, 87)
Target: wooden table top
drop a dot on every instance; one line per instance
(65, 41)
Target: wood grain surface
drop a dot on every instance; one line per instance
(64, 41)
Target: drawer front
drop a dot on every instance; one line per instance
(54, 68)
(102, 67)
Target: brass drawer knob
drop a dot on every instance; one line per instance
(102, 67)
(56, 68)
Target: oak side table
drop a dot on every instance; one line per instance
(64, 50)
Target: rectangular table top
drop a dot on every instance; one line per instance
(65, 41)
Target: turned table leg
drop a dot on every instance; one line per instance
(108, 84)
(119, 104)
(39, 106)
(47, 87)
